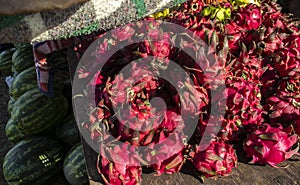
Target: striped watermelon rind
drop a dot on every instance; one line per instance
(10, 104)
(14, 72)
(74, 166)
(6, 59)
(67, 131)
(33, 161)
(36, 113)
(12, 132)
(23, 82)
(23, 58)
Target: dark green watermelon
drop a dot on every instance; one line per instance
(14, 72)
(67, 131)
(36, 113)
(74, 166)
(6, 59)
(12, 132)
(10, 105)
(24, 82)
(23, 58)
(33, 161)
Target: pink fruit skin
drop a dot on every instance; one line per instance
(249, 17)
(218, 159)
(111, 176)
(271, 145)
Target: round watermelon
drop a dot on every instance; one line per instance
(36, 113)
(33, 161)
(74, 166)
(23, 82)
(6, 59)
(12, 132)
(23, 58)
(10, 105)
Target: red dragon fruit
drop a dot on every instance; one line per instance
(168, 145)
(218, 159)
(289, 63)
(219, 127)
(289, 87)
(246, 66)
(123, 33)
(234, 34)
(111, 176)
(273, 18)
(269, 79)
(284, 107)
(243, 110)
(165, 153)
(243, 101)
(282, 110)
(271, 145)
(136, 91)
(192, 99)
(170, 165)
(248, 17)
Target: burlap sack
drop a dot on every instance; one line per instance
(13, 7)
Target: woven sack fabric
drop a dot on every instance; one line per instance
(79, 19)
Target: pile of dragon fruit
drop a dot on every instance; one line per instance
(256, 52)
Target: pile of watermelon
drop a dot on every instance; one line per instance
(43, 129)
